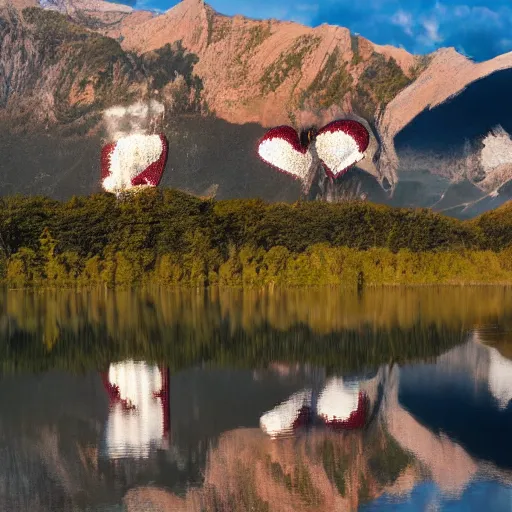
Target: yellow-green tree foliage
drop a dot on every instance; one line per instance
(171, 238)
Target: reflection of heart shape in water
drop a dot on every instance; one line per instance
(342, 404)
(133, 161)
(339, 145)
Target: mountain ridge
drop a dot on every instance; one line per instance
(196, 61)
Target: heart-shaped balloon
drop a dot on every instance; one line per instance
(280, 147)
(133, 161)
(340, 145)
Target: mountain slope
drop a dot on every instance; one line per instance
(55, 73)
(316, 72)
(465, 141)
(63, 67)
(261, 71)
(273, 72)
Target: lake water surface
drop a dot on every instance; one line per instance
(227, 401)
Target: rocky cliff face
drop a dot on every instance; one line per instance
(271, 72)
(55, 73)
(58, 73)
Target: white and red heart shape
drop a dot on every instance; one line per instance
(139, 408)
(338, 145)
(133, 161)
(289, 415)
(281, 148)
(342, 405)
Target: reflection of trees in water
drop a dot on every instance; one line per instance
(324, 327)
(323, 310)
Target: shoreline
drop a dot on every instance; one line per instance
(249, 288)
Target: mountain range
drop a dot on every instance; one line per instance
(75, 74)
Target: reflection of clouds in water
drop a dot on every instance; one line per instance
(479, 496)
(500, 378)
(136, 419)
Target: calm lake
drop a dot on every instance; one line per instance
(227, 401)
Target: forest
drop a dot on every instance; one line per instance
(167, 237)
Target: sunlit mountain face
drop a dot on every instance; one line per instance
(215, 402)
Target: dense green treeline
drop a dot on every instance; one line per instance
(169, 237)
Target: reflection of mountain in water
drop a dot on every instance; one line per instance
(207, 402)
(394, 459)
(233, 360)
(397, 449)
(469, 385)
(50, 430)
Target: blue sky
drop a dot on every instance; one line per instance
(479, 29)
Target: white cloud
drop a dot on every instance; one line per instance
(300, 19)
(506, 44)
(431, 27)
(484, 13)
(307, 7)
(440, 8)
(303, 13)
(461, 11)
(403, 19)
